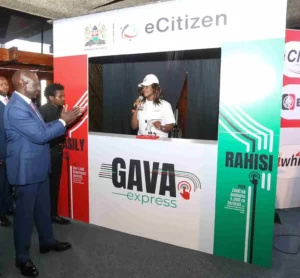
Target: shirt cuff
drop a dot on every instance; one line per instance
(63, 122)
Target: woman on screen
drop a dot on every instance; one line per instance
(151, 114)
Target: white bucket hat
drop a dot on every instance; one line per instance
(149, 80)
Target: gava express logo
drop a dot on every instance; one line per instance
(95, 35)
(129, 32)
(140, 181)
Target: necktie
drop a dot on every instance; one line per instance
(33, 107)
(5, 101)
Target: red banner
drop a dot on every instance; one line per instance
(72, 72)
(290, 114)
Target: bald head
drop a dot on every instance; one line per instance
(4, 87)
(26, 83)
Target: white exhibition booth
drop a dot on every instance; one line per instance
(216, 197)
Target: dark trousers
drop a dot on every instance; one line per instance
(56, 165)
(32, 205)
(6, 201)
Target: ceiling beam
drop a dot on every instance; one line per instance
(13, 55)
(71, 8)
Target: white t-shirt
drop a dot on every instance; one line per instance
(149, 113)
(4, 100)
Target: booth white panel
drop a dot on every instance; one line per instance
(170, 26)
(184, 222)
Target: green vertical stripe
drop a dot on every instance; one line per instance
(242, 124)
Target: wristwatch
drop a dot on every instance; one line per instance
(163, 128)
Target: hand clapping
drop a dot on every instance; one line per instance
(70, 116)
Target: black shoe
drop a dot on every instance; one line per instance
(60, 220)
(4, 221)
(58, 247)
(27, 269)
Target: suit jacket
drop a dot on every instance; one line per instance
(28, 155)
(51, 113)
(2, 133)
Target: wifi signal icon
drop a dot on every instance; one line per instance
(254, 177)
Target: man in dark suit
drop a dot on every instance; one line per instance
(51, 111)
(6, 203)
(28, 167)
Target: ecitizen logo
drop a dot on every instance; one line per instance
(180, 23)
(140, 180)
(175, 24)
(292, 59)
(288, 101)
(129, 32)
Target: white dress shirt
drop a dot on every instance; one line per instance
(3, 99)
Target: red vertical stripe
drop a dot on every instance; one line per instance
(72, 72)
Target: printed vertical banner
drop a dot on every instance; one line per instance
(248, 143)
(72, 72)
(290, 115)
(288, 190)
